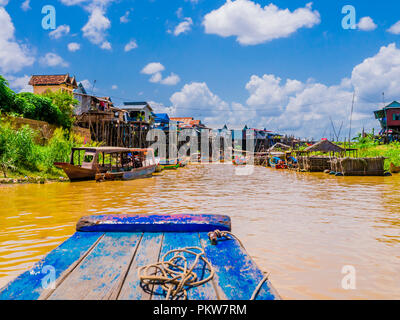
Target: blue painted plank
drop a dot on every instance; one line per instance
(154, 223)
(28, 286)
(181, 240)
(147, 253)
(236, 273)
(102, 272)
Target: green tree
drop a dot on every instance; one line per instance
(7, 103)
(65, 102)
(38, 107)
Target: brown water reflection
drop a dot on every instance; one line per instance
(301, 227)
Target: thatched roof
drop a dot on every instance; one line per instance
(324, 146)
(279, 146)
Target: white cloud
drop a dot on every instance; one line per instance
(19, 84)
(395, 29)
(253, 24)
(13, 55)
(95, 29)
(106, 45)
(125, 17)
(171, 80)
(179, 13)
(130, 46)
(60, 31)
(367, 24)
(301, 108)
(197, 100)
(183, 27)
(156, 77)
(26, 5)
(380, 73)
(114, 87)
(152, 68)
(3, 2)
(74, 46)
(53, 60)
(155, 70)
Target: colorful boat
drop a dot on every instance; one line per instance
(129, 165)
(108, 256)
(168, 164)
(239, 161)
(277, 163)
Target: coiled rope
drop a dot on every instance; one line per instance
(176, 277)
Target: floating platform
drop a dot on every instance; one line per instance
(101, 261)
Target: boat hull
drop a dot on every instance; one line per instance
(76, 173)
(137, 173)
(170, 166)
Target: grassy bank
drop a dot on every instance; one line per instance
(21, 158)
(370, 147)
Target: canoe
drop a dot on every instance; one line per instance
(170, 166)
(106, 256)
(394, 169)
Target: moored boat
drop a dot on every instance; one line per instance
(239, 161)
(277, 163)
(110, 256)
(169, 164)
(93, 162)
(131, 164)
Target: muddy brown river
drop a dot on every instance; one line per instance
(303, 228)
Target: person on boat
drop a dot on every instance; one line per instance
(136, 161)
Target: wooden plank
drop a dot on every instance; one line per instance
(236, 273)
(154, 223)
(100, 273)
(178, 241)
(28, 286)
(147, 253)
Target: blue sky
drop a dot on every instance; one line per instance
(219, 61)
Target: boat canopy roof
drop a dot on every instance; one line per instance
(111, 149)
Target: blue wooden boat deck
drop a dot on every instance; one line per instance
(101, 261)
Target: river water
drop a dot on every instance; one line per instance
(303, 228)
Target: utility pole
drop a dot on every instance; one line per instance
(351, 116)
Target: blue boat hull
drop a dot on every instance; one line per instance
(99, 263)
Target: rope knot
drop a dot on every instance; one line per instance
(217, 234)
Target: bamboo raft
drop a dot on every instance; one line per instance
(314, 163)
(102, 259)
(359, 166)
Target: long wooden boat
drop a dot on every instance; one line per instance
(93, 162)
(103, 258)
(394, 169)
(131, 164)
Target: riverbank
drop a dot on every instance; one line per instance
(26, 159)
